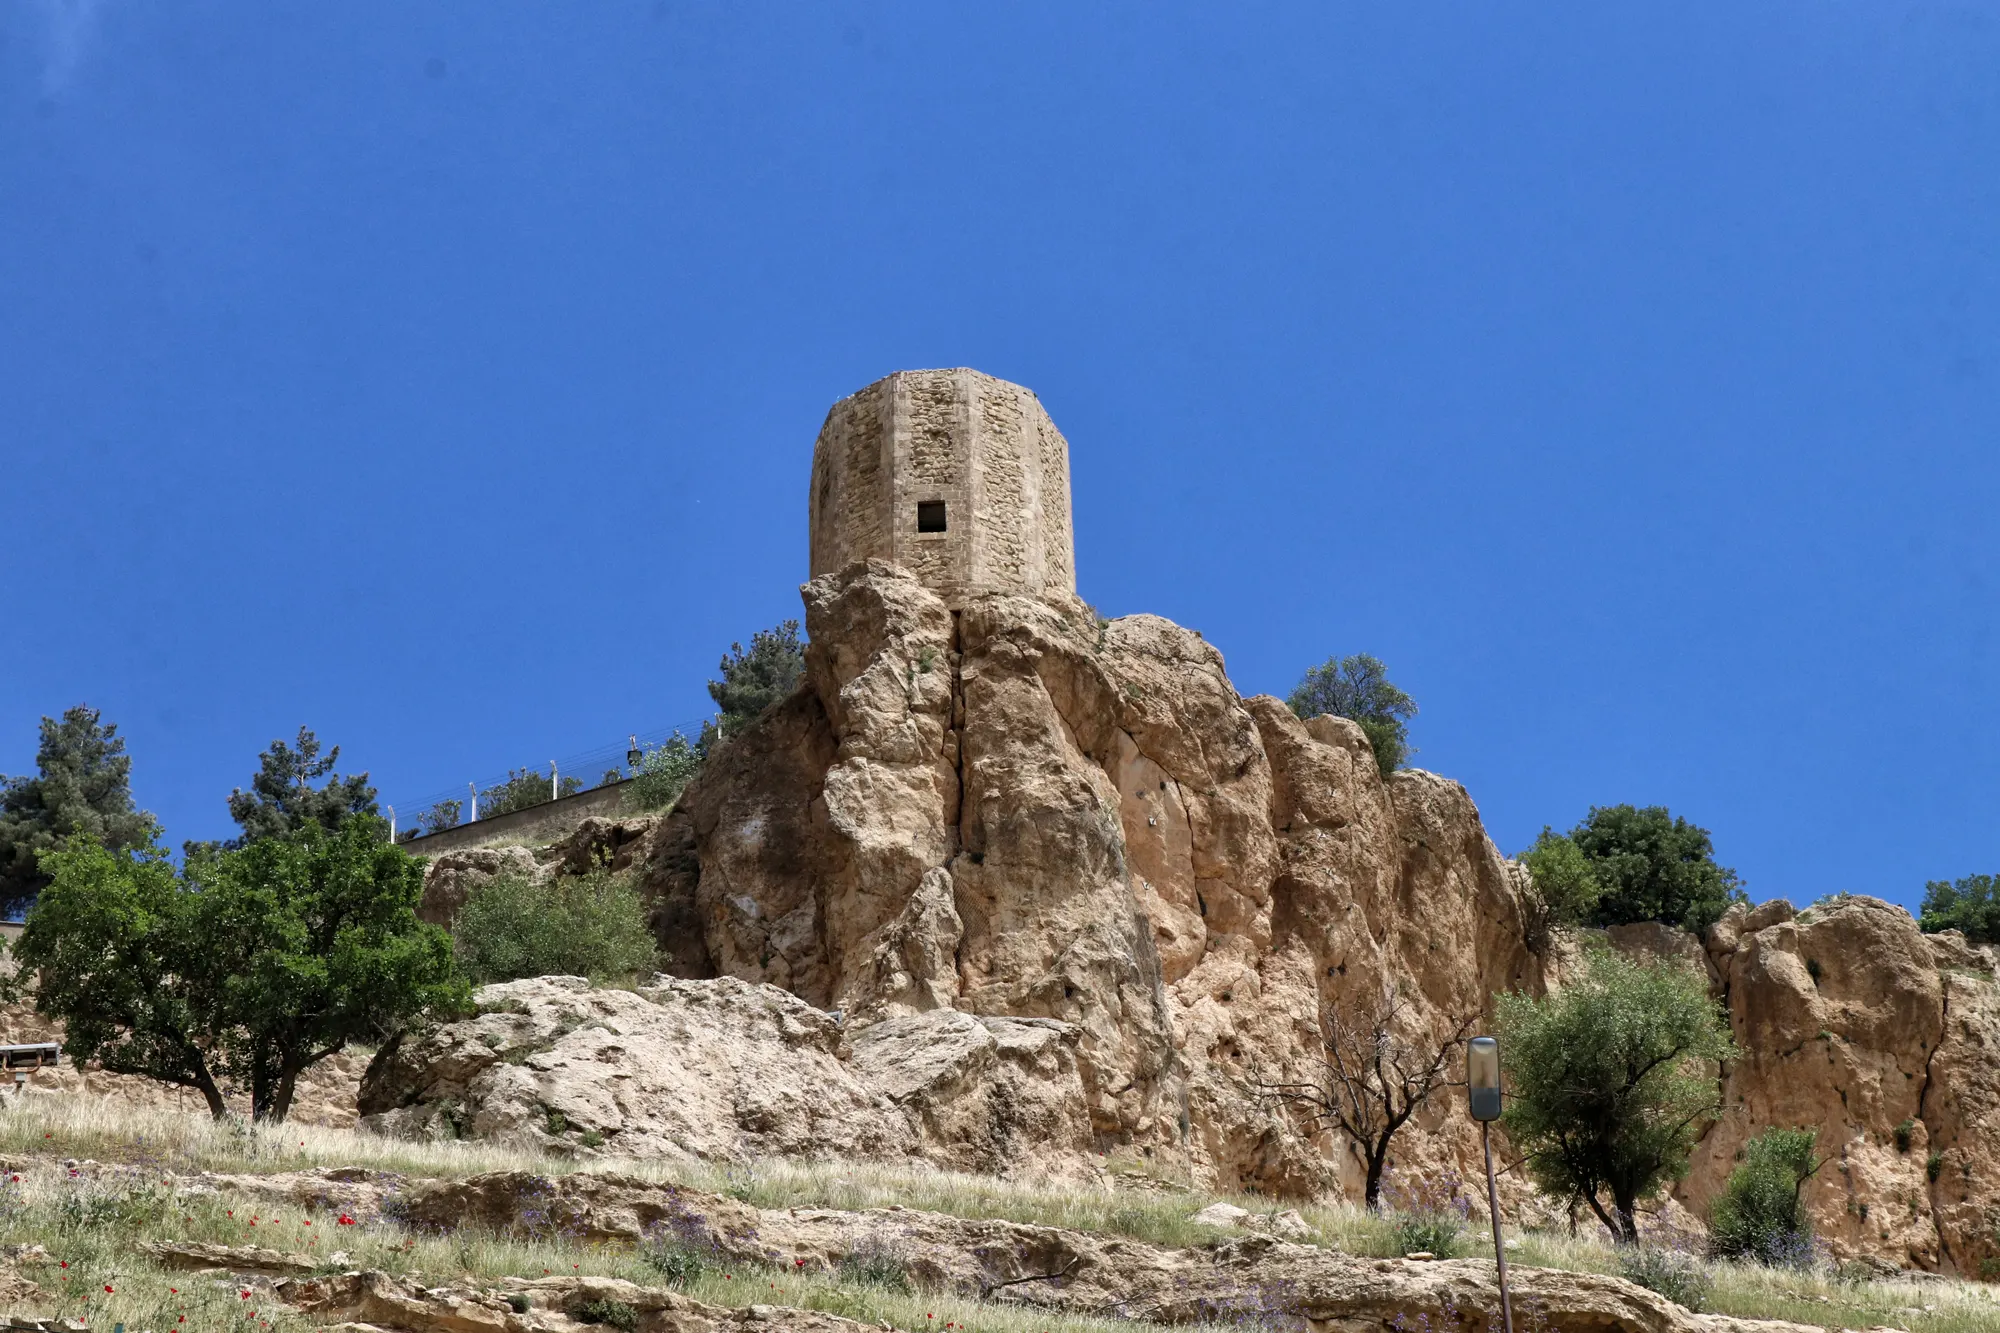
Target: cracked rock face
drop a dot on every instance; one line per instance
(1069, 893)
(1018, 811)
(1887, 1042)
(726, 1070)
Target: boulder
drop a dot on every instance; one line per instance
(727, 1070)
(720, 1070)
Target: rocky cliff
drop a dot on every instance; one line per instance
(1021, 811)
(1887, 1042)
(1064, 893)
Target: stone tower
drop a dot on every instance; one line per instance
(960, 478)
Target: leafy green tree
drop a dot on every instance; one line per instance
(525, 787)
(591, 925)
(1608, 1081)
(663, 774)
(83, 785)
(1759, 1214)
(1654, 866)
(1566, 886)
(282, 799)
(1358, 688)
(1971, 904)
(243, 970)
(439, 817)
(115, 949)
(755, 678)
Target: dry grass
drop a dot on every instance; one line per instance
(158, 1142)
(92, 1226)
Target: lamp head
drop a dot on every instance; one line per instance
(1482, 1077)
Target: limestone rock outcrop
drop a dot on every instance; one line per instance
(1069, 893)
(725, 1070)
(1256, 1281)
(1887, 1042)
(1019, 811)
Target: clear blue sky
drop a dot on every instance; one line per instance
(445, 377)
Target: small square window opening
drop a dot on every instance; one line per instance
(930, 516)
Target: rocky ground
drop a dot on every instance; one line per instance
(217, 1227)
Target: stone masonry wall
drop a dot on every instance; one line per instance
(983, 448)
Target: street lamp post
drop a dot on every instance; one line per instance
(1482, 1088)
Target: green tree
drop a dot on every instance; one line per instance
(663, 774)
(1759, 1215)
(1971, 904)
(1358, 688)
(755, 678)
(1654, 866)
(437, 818)
(1608, 1081)
(282, 799)
(1566, 886)
(524, 787)
(114, 949)
(591, 925)
(243, 970)
(83, 785)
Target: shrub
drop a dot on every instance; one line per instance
(1971, 904)
(523, 788)
(1607, 1080)
(1758, 1215)
(663, 774)
(1675, 1274)
(617, 1314)
(437, 818)
(678, 1263)
(877, 1263)
(592, 925)
(1428, 1213)
(1905, 1132)
(1358, 688)
(1934, 1165)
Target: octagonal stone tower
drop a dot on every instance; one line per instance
(960, 478)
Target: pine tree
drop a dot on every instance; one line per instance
(282, 800)
(754, 679)
(84, 786)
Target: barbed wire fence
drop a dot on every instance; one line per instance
(595, 767)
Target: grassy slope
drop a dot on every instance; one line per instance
(96, 1224)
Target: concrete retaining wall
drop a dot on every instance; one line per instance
(538, 823)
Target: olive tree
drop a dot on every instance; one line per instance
(1358, 688)
(1609, 1081)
